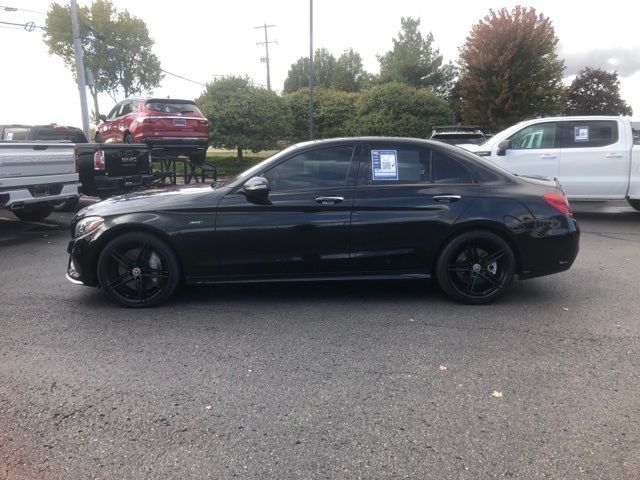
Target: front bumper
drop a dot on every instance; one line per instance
(81, 264)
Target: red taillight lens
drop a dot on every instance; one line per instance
(98, 160)
(203, 123)
(559, 202)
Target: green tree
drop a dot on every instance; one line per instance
(596, 92)
(333, 113)
(324, 70)
(510, 69)
(116, 46)
(349, 74)
(414, 60)
(398, 109)
(243, 116)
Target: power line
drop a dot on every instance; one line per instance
(28, 26)
(8, 8)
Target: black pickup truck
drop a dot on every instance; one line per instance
(105, 169)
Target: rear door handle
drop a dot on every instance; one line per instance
(329, 200)
(547, 156)
(447, 198)
(613, 155)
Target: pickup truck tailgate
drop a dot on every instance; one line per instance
(123, 160)
(37, 161)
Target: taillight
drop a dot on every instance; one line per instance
(559, 202)
(76, 155)
(98, 160)
(203, 123)
(148, 120)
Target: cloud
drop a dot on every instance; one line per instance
(626, 61)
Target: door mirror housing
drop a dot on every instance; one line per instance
(103, 118)
(503, 146)
(256, 188)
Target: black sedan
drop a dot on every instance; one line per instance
(351, 208)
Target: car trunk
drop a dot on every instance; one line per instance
(126, 160)
(174, 118)
(35, 160)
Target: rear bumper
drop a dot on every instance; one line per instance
(106, 184)
(553, 253)
(27, 194)
(184, 145)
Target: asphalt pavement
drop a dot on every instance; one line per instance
(343, 380)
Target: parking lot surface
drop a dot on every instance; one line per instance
(343, 380)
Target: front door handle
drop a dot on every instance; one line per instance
(447, 198)
(329, 200)
(613, 155)
(547, 156)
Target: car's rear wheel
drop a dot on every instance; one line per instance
(33, 212)
(476, 267)
(97, 138)
(128, 138)
(634, 203)
(138, 270)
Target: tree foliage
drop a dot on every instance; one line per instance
(243, 116)
(398, 109)
(596, 92)
(116, 47)
(333, 113)
(346, 73)
(415, 61)
(510, 69)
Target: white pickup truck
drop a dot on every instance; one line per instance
(594, 157)
(34, 177)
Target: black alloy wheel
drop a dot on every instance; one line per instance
(138, 270)
(476, 267)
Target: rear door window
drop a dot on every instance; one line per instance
(590, 133)
(413, 165)
(126, 109)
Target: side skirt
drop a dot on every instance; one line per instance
(330, 278)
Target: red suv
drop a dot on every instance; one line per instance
(162, 123)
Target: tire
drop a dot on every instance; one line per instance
(97, 138)
(634, 204)
(33, 213)
(476, 267)
(138, 270)
(128, 138)
(69, 205)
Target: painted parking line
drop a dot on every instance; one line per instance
(29, 222)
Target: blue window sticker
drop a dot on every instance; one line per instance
(384, 164)
(581, 134)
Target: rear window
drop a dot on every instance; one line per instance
(60, 134)
(172, 107)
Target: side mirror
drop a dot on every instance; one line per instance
(503, 146)
(103, 118)
(256, 188)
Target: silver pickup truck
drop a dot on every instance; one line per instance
(34, 177)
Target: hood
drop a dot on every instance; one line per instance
(471, 147)
(153, 200)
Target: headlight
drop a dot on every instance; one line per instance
(87, 225)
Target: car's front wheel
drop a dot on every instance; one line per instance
(476, 267)
(634, 203)
(138, 270)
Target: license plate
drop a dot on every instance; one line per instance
(179, 122)
(40, 190)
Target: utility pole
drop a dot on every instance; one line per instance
(77, 51)
(266, 43)
(311, 70)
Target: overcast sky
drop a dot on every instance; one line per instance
(202, 38)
